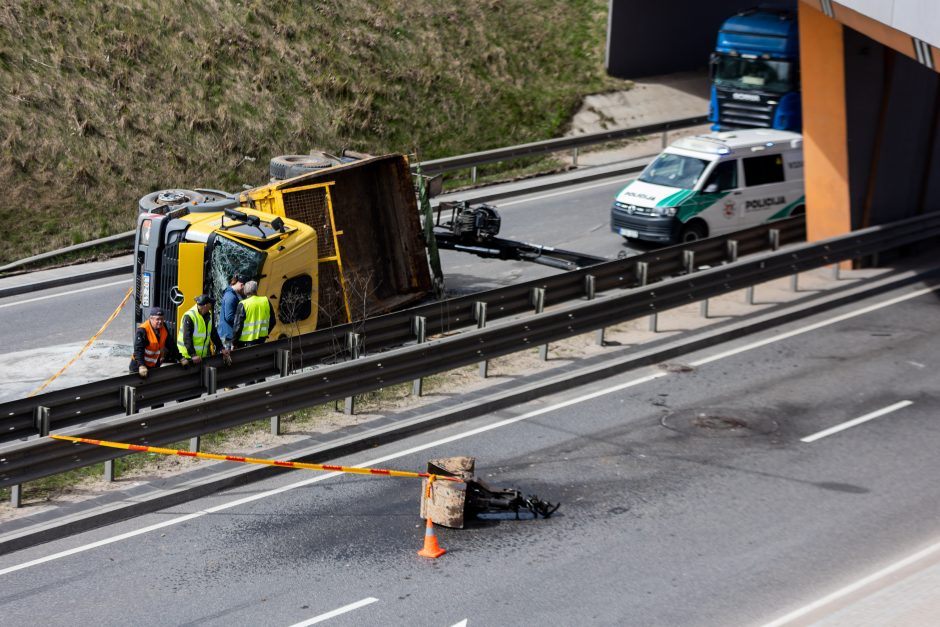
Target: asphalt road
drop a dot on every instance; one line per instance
(706, 493)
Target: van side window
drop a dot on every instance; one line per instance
(723, 177)
(763, 170)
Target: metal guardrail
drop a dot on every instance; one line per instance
(432, 167)
(84, 404)
(549, 146)
(43, 457)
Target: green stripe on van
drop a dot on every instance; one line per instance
(694, 205)
(785, 212)
(673, 200)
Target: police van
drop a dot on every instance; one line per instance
(713, 184)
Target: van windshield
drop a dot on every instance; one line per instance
(674, 170)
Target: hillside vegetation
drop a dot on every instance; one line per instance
(106, 101)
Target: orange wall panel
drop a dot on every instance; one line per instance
(825, 149)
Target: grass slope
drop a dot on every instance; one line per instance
(106, 101)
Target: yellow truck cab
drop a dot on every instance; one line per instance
(193, 249)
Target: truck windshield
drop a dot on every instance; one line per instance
(674, 171)
(753, 74)
(228, 258)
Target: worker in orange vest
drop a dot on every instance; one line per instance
(150, 345)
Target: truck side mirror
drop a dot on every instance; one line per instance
(711, 188)
(712, 66)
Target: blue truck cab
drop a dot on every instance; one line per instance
(755, 72)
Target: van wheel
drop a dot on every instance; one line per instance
(692, 232)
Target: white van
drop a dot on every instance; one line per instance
(713, 184)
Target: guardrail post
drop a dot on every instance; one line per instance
(642, 272)
(473, 174)
(795, 282)
(210, 381)
(665, 141)
(574, 156)
(774, 235)
(749, 295)
(109, 470)
(16, 495)
(129, 399)
(282, 361)
(837, 271)
(419, 324)
(479, 313)
(642, 277)
(732, 250)
(41, 418)
(353, 344)
(688, 261)
(590, 292)
(538, 301)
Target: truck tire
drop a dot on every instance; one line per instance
(161, 201)
(693, 231)
(289, 166)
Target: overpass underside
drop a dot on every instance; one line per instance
(871, 112)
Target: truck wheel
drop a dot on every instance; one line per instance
(161, 201)
(692, 232)
(289, 166)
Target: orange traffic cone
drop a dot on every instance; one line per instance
(431, 547)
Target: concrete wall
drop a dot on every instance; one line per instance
(650, 38)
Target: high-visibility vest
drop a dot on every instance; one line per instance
(202, 333)
(154, 348)
(257, 315)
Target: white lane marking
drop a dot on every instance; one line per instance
(813, 327)
(462, 623)
(856, 421)
(502, 423)
(336, 612)
(849, 589)
(68, 293)
(572, 190)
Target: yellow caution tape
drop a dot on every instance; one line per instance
(87, 344)
(266, 462)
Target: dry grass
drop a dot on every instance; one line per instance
(104, 102)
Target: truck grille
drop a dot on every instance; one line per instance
(169, 281)
(740, 113)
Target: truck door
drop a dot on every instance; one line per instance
(764, 191)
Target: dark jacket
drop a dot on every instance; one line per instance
(189, 328)
(230, 300)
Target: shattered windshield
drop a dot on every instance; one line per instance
(228, 258)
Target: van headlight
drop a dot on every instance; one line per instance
(667, 211)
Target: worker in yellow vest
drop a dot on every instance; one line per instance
(197, 335)
(254, 318)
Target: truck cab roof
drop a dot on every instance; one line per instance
(744, 141)
(773, 33)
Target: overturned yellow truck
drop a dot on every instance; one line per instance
(330, 240)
